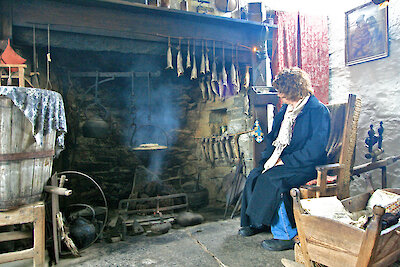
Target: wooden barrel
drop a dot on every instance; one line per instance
(24, 165)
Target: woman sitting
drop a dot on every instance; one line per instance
(294, 147)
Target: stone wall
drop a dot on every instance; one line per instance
(376, 83)
(159, 109)
(232, 114)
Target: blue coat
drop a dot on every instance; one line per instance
(307, 149)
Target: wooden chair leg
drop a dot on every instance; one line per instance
(39, 236)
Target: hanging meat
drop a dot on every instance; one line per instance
(179, 63)
(169, 55)
(193, 75)
(188, 63)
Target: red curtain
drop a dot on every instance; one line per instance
(302, 40)
(314, 50)
(285, 43)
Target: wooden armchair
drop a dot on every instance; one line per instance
(334, 178)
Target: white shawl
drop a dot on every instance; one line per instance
(285, 132)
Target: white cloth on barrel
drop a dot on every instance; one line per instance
(43, 108)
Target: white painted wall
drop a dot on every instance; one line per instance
(376, 82)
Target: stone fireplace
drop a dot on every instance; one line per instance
(118, 94)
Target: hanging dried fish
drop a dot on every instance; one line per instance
(210, 92)
(237, 72)
(237, 79)
(233, 73)
(224, 75)
(221, 88)
(214, 88)
(207, 60)
(214, 75)
(247, 104)
(188, 63)
(203, 60)
(169, 55)
(203, 88)
(193, 75)
(179, 63)
(233, 77)
(246, 82)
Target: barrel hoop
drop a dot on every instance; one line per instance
(26, 155)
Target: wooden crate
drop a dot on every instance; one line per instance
(333, 243)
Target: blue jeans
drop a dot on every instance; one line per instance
(281, 227)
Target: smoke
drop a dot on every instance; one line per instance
(156, 118)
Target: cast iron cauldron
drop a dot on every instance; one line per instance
(96, 127)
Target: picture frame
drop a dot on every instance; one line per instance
(366, 34)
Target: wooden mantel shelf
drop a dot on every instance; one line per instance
(129, 21)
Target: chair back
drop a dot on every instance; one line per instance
(340, 150)
(338, 118)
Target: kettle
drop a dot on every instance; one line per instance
(96, 125)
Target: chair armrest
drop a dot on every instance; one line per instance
(328, 167)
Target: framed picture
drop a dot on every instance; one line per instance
(366, 33)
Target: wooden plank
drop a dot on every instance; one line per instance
(18, 255)
(356, 203)
(28, 144)
(39, 236)
(20, 216)
(5, 142)
(369, 242)
(319, 229)
(13, 65)
(16, 235)
(387, 248)
(330, 257)
(46, 164)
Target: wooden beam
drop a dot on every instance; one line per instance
(122, 19)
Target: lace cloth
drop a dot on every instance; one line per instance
(43, 108)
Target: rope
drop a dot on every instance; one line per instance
(48, 84)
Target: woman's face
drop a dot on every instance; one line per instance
(286, 100)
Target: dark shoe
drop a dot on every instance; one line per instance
(249, 231)
(277, 244)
